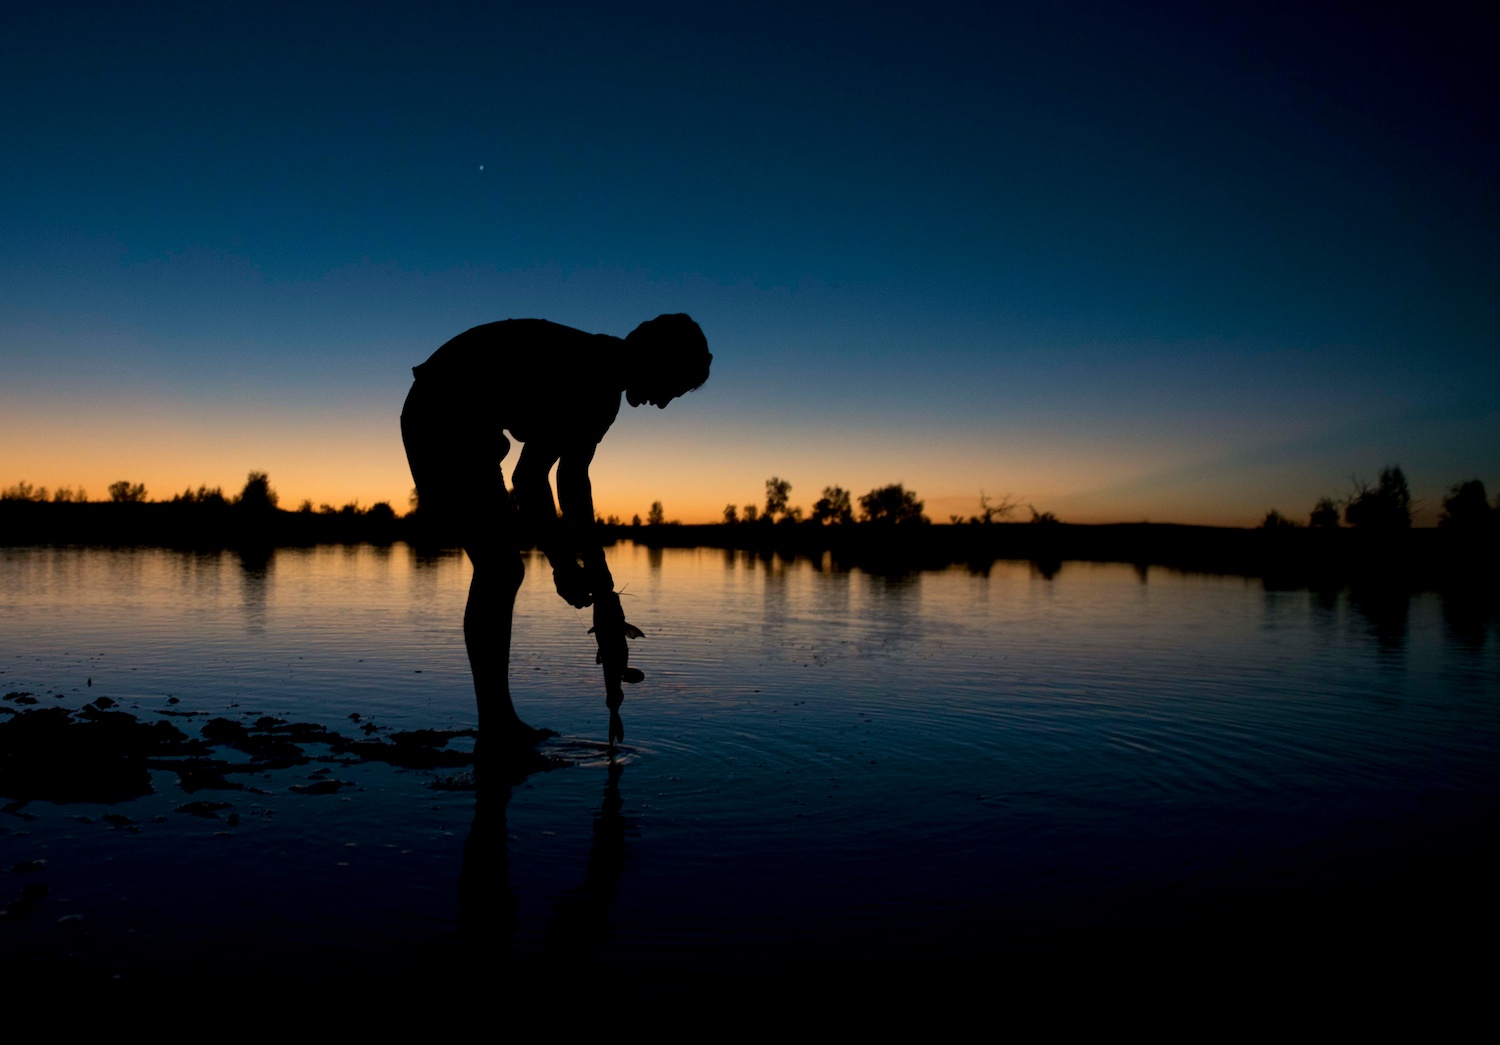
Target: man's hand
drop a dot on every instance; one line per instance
(572, 585)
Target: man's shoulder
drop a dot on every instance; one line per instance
(515, 345)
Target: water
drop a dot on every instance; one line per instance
(937, 771)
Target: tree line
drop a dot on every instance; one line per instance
(1383, 506)
(255, 497)
(891, 505)
(1387, 506)
(197, 517)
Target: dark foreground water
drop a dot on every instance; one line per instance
(948, 776)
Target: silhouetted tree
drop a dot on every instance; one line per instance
(1325, 515)
(23, 491)
(731, 515)
(1042, 518)
(989, 512)
(1386, 507)
(123, 492)
(202, 495)
(305, 508)
(1274, 520)
(751, 513)
(777, 492)
(833, 507)
(656, 516)
(635, 520)
(381, 512)
(1466, 509)
(890, 505)
(257, 496)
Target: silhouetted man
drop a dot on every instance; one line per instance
(556, 390)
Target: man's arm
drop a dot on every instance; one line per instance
(565, 541)
(576, 492)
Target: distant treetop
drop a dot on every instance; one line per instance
(257, 496)
(123, 492)
(1386, 507)
(890, 505)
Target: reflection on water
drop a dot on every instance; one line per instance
(822, 763)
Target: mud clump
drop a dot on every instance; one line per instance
(269, 742)
(206, 775)
(208, 810)
(416, 749)
(99, 755)
(87, 756)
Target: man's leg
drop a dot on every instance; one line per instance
(456, 466)
(487, 629)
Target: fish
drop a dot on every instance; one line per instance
(610, 631)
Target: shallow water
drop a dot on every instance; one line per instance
(821, 766)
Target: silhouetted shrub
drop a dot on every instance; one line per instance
(202, 495)
(123, 492)
(257, 497)
(989, 511)
(777, 493)
(1386, 507)
(833, 507)
(1466, 509)
(1325, 515)
(23, 491)
(891, 505)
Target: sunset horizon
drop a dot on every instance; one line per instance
(1183, 265)
(686, 508)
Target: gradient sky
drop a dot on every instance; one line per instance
(1121, 261)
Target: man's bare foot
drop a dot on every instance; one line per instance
(504, 758)
(515, 734)
(529, 736)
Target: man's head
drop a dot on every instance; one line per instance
(668, 356)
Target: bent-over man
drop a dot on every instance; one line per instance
(556, 390)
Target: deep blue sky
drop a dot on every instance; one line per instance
(1180, 263)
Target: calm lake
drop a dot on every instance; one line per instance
(943, 770)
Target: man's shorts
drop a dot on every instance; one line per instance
(455, 451)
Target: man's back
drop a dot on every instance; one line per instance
(532, 377)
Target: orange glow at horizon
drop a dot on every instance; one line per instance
(692, 462)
